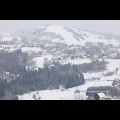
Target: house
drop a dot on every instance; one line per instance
(100, 96)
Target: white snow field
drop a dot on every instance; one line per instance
(6, 39)
(27, 49)
(113, 64)
(95, 38)
(91, 79)
(110, 67)
(67, 94)
(75, 61)
(69, 38)
(41, 60)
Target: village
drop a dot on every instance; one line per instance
(62, 54)
(46, 52)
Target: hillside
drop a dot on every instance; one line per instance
(41, 55)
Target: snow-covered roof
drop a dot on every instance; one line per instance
(101, 95)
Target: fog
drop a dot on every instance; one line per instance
(105, 26)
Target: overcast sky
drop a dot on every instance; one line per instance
(107, 26)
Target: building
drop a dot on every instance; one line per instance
(100, 96)
(77, 94)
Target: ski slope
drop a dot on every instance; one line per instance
(91, 37)
(68, 37)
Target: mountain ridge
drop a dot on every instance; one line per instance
(66, 35)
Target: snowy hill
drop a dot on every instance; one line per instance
(78, 37)
(69, 36)
(54, 45)
(55, 41)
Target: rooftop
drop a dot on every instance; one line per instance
(101, 94)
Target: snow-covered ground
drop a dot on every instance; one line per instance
(92, 79)
(88, 36)
(27, 49)
(6, 39)
(76, 61)
(57, 40)
(95, 38)
(68, 37)
(41, 60)
(113, 64)
(110, 67)
(67, 94)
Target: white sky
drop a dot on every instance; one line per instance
(105, 26)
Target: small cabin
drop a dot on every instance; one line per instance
(100, 96)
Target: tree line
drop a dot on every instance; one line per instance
(46, 78)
